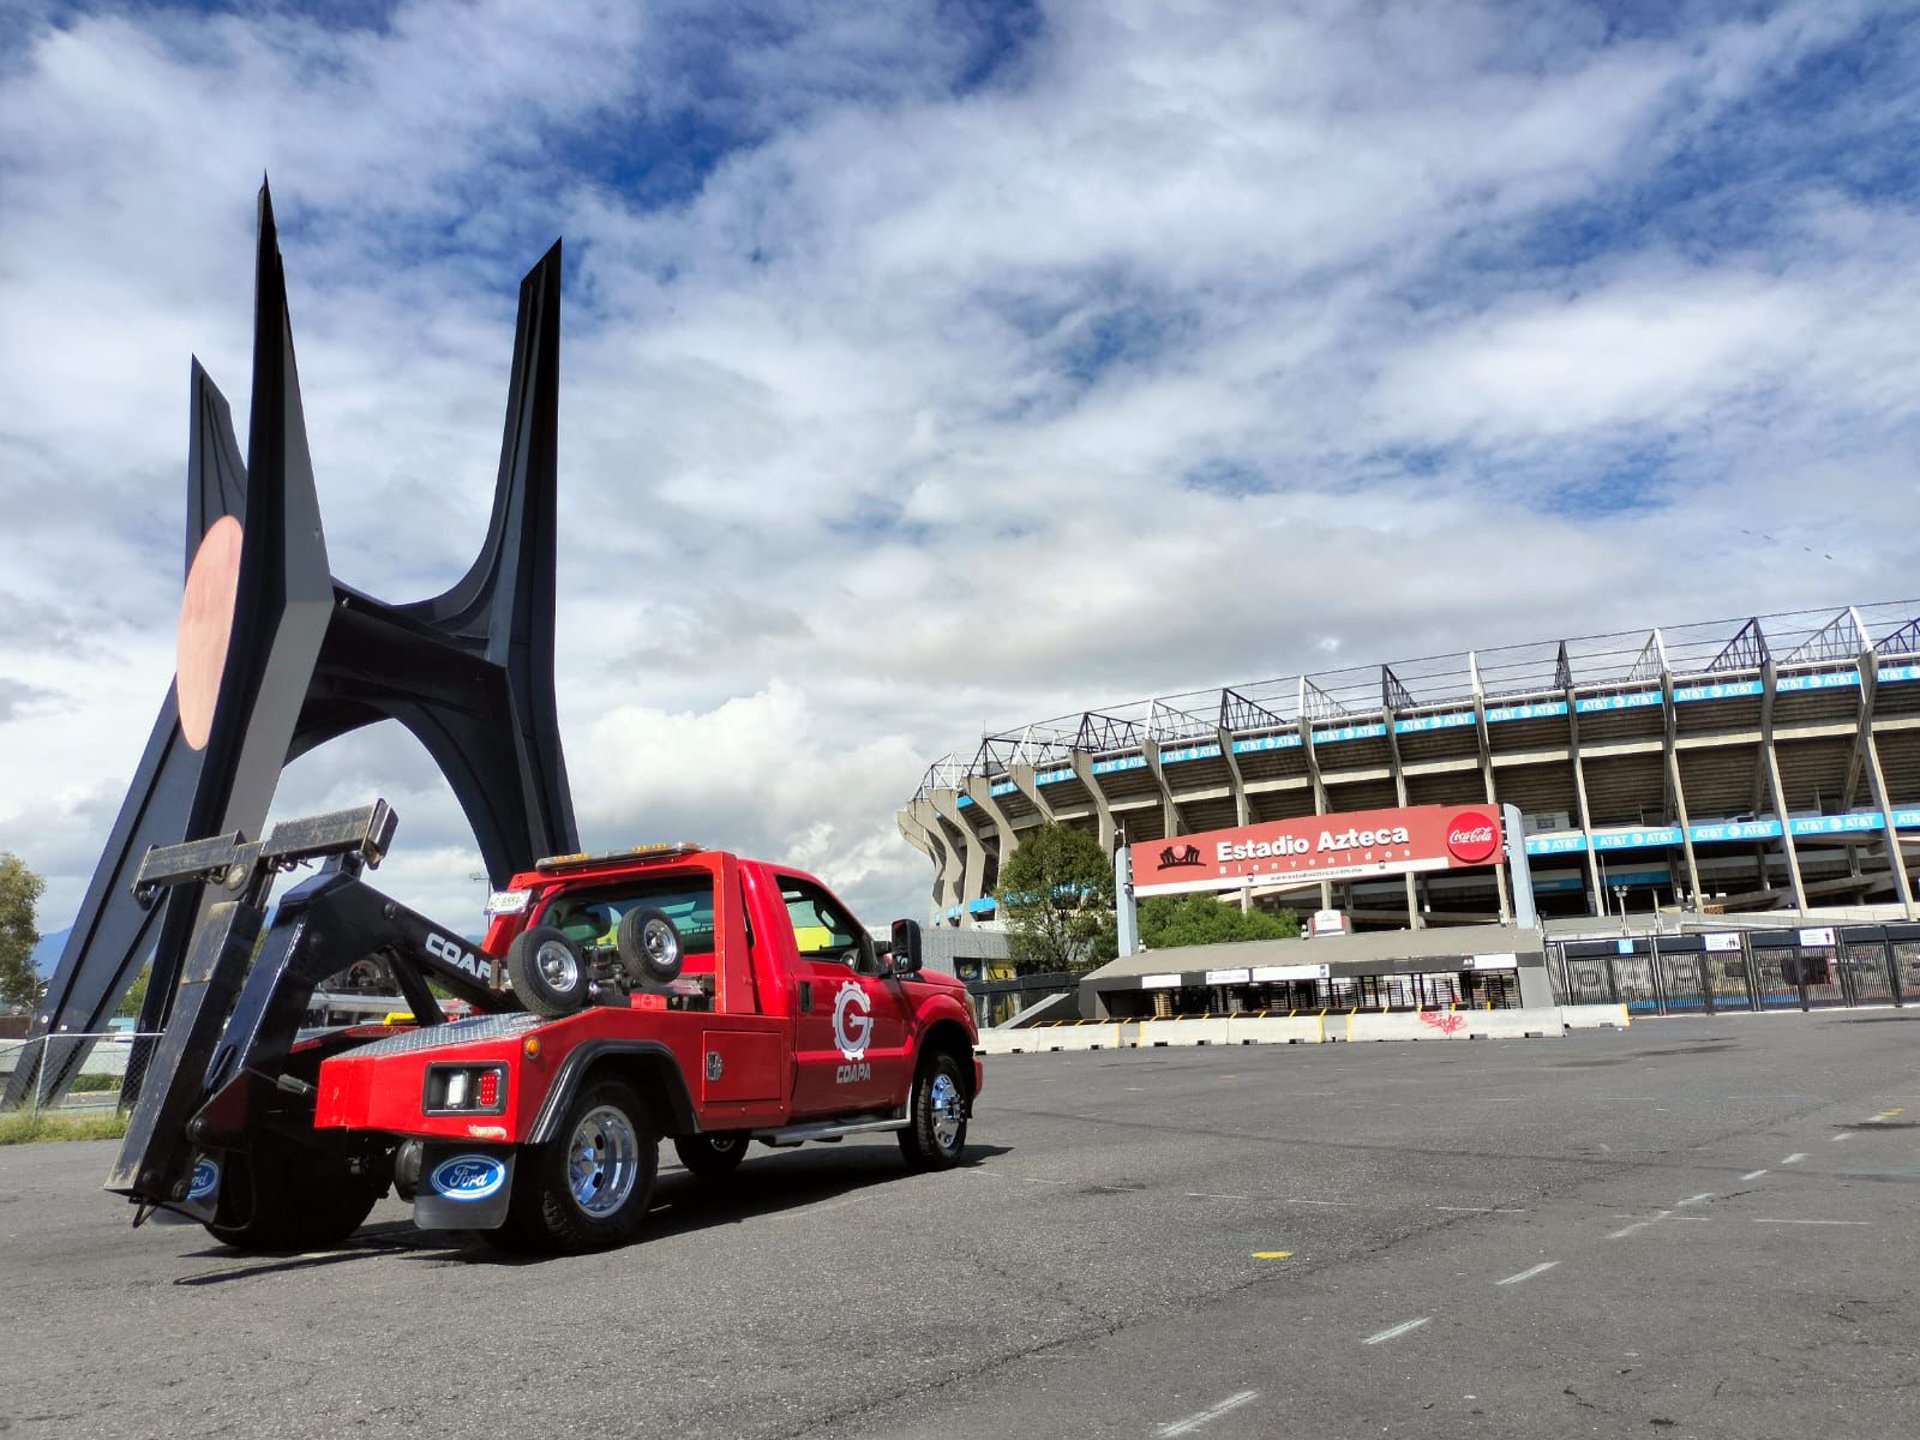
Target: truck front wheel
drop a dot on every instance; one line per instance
(936, 1133)
(589, 1188)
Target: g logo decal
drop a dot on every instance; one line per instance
(852, 1020)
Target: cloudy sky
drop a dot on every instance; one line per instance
(934, 366)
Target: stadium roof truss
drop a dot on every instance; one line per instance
(1625, 661)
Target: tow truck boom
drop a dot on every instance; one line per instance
(219, 1074)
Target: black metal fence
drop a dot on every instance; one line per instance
(1805, 968)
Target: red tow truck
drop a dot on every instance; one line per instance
(668, 992)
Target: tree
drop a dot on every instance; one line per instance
(20, 889)
(1169, 920)
(1056, 897)
(136, 996)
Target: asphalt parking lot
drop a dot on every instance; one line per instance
(1702, 1227)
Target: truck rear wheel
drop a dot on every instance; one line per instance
(589, 1188)
(285, 1196)
(936, 1133)
(711, 1155)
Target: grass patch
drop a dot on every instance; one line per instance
(94, 1084)
(24, 1127)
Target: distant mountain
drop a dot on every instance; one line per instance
(46, 954)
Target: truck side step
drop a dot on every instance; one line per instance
(826, 1130)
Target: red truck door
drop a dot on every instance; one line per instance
(851, 1029)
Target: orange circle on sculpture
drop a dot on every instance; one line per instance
(206, 627)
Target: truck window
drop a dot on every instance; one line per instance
(592, 917)
(821, 929)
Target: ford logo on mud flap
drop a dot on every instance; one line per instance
(468, 1177)
(206, 1179)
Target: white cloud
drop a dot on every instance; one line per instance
(1195, 346)
(1633, 354)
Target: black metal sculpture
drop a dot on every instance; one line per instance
(277, 657)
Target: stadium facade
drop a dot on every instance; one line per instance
(1769, 763)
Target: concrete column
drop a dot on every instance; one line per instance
(1415, 920)
(1673, 784)
(947, 884)
(974, 854)
(1486, 774)
(1770, 762)
(981, 792)
(1242, 813)
(1103, 812)
(1319, 786)
(1169, 812)
(1028, 784)
(1603, 904)
(1877, 779)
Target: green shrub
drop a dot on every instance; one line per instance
(23, 1126)
(94, 1084)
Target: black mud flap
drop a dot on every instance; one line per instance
(463, 1187)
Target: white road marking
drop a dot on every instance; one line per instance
(1203, 1195)
(1622, 1234)
(1753, 1175)
(1699, 1199)
(1395, 1330)
(1528, 1274)
(1207, 1416)
(1836, 1139)
(1813, 1222)
(1793, 1159)
(1480, 1209)
(1330, 1204)
(1037, 1180)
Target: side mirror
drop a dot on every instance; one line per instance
(906, 947)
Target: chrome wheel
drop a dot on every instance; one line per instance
(603, 1161)
(948, 1109)
(559, 966)
(662, 944)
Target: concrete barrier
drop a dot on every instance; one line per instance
(1360, 1025)
(1536, 1024)
(1204, 1030)
(1594, 1017)
(1043, 1039)
(1276, 1030)
(1421, 1025)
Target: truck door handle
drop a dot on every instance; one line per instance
(806, 996)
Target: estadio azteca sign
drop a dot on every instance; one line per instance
(1321, 847)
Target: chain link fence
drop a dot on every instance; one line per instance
(105, 1068)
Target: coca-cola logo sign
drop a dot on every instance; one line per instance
(1472, 838)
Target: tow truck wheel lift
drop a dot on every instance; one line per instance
(222, 1131)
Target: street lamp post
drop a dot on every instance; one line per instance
(1620, 894)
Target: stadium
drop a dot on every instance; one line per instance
(1763, 764)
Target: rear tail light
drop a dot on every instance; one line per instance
(465, 1090)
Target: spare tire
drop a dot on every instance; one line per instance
(650, 946)
(548, 972)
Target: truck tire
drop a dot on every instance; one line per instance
(285, 1196)
(549, 974)
(649, 946)
(589, 1188)
(936, 1133)
(712, 1155)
